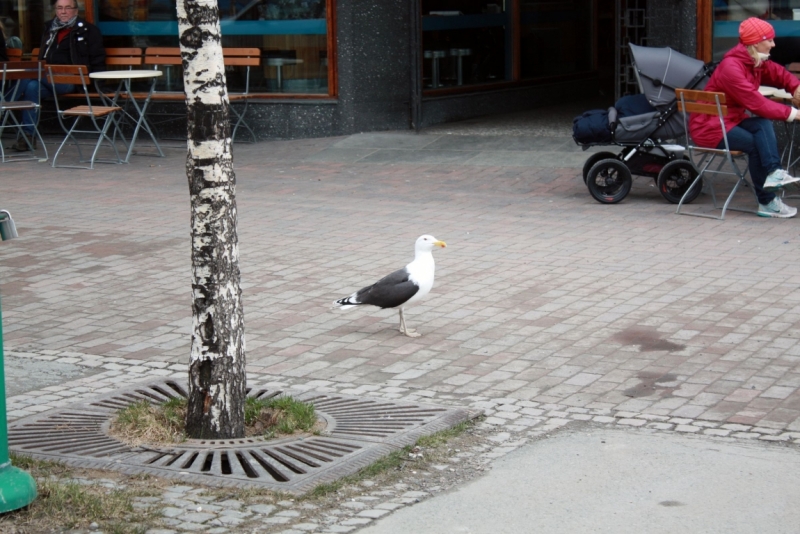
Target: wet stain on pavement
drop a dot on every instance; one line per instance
(672, 503)
(652, 384)
(647, 339)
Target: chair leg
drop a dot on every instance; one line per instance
(240, 121)
(64, 142)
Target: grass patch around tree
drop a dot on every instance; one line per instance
(144, 422)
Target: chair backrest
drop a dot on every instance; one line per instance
(248, 57)
(162, 56)
(17, 70)
(70, 74)
(35, 53)
(14, 54)
(126, 57)
(705, 102)
(21, 70)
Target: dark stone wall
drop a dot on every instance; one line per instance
(673, 23)
(374, 65)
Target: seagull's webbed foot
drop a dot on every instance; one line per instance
(410, 332)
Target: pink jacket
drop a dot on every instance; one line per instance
(739, 79)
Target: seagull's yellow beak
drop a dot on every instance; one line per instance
(440, 244)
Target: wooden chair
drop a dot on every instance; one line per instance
(100, 117)
(14, 54)
(711, 103)
(125, 57)
(14, 73)
(167, 57)
(241, 57)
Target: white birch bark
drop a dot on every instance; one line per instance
(217, 381)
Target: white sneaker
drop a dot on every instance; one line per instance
(778, 179)
(776, 208)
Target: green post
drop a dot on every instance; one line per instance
(17, 488)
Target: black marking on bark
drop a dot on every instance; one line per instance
(194, 38)
(210, 338)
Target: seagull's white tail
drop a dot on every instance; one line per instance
(346, 303)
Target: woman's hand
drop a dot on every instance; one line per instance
(796, 98)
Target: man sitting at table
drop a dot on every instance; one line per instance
(67, 40)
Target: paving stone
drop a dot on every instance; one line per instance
(373, 513)
(264, 509)
(357, 521)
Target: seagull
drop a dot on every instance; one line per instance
(401, 288)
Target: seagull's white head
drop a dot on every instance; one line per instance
(426, 243)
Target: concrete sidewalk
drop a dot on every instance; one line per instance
(549, 310)
(623, 482)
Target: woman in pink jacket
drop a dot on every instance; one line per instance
(743, 69)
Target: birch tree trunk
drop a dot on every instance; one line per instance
(217, 379)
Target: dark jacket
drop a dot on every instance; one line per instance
(3, 53)
(739, 78)
(83, 46)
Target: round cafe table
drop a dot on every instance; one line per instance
(123, 90)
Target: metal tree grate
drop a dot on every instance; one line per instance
(358, 432)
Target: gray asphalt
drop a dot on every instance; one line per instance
(605, 480)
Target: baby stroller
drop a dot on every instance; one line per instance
(641, 124)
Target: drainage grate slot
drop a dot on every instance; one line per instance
(164, 392)
(264, 394)
(273, 471)
(190, 461)
(175, 457)
(156, 458)
(248, 469)
(311, 453)
(207, 463)
(159, 399)
(226, 465)
(328, 447)
(285, 462)
(177, 388)
(296, 456)
(112, 404)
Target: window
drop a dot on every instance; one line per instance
(473, 42)
(291, 34)
(784, 15)
(465, 42)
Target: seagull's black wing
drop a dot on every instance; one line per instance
(390, 291)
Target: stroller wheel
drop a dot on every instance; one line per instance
(594, 158)
(609, 181)
(674, 180)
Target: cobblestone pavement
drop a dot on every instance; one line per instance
(548, 307)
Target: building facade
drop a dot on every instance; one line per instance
(336, 67)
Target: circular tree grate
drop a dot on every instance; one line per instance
(359, 431)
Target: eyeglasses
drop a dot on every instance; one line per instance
(68, 8)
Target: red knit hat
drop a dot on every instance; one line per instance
(753, 31)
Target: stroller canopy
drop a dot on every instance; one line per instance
(660, 71)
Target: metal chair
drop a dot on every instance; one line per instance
(711, 103)
(15, 73)
(241, 57)
(100, 117)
